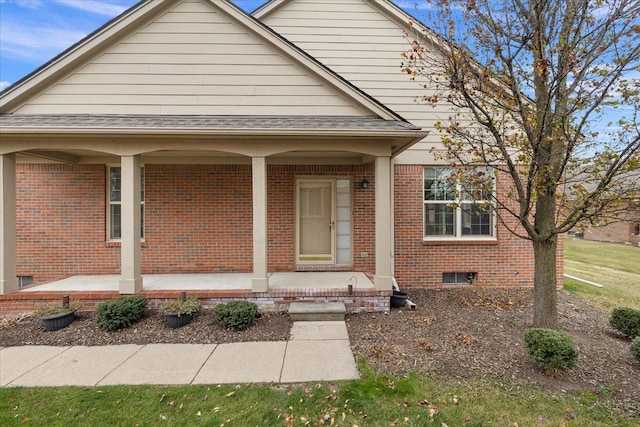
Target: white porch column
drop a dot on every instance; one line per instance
(8, 279)
(260, 280)
(383, 279)
(130, 252)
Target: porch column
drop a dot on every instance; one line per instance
(8, 278)
(130, 253)
(383, 279)
(260, 280)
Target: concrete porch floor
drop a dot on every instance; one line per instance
(213, 281)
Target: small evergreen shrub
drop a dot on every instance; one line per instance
(626, 321)
(635, 348)
(121, 313)
(551, 350)
(236, 315)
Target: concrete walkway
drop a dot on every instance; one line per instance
(317, 351)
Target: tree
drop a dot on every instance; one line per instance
(533, 83)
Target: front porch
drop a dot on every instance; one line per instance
(212, 289)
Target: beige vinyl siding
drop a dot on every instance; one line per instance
(193, 59)
(363, 45)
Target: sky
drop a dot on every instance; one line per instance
(32, 32)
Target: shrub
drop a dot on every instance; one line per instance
(635, 347)
(626, 321)
(236, 315)
(549, 349)
(121, 313)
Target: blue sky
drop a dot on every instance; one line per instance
(34, 31)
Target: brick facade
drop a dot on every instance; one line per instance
(198, 219)
(507, 261)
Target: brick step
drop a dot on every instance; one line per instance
(317, 311)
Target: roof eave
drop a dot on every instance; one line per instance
(142, 131)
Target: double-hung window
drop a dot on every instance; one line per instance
(457, 209)
(114, 198)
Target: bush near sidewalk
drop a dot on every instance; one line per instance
(121, 313)
(236, 315)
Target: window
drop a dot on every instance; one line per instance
(25, 281)
(114, 209)
(459, 278)
(455, 209)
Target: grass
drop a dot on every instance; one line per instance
(615, 266)
(373, 401)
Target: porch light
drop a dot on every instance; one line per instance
(364, 183)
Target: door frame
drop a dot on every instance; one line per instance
(327, 179)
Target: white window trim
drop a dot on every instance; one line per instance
(109, 203)
(458, 237)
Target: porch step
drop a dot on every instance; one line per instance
(311, 311)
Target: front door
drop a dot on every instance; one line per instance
(316, 221)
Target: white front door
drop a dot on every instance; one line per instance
(316, 221)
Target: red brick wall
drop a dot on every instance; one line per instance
(198, 218)
(61, 222)
(505, 262)
(281, 213)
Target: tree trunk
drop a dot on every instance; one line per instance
(545, 314)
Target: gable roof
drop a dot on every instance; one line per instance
(147, 10)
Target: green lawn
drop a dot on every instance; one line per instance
(615, 266)
(373, 401)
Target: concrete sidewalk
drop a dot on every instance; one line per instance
(317, 351)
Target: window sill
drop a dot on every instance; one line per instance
(460, 241)
(118, 243)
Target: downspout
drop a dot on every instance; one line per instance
(394, 283)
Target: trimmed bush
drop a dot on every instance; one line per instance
(626, 321)
(236, 315)
(549, 349)
(635, 348)
(121, 313)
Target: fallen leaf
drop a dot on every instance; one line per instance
(231, 393)
(199, 414)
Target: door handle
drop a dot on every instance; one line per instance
(331, 225)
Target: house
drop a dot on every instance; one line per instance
(187, 137)
(625, 230)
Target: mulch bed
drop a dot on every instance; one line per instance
(480, 333)
(460, 333)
